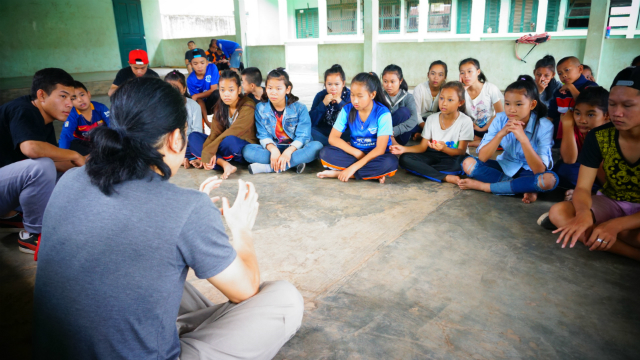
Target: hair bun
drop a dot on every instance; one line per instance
(336, 66)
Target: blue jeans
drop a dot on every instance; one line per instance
(321, 134)
(230, 148)
(568, 174)
(234, 61)
(524, 181)
(254, 153)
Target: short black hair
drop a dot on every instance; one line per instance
(636, 61)
(191, 42)
(79, 85)
(567, 58)
(47, 79)
(595, 96)
(252, 75)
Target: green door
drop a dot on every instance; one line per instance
(128, 14)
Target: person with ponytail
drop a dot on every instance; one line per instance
(545, 75)
(402, 105)
(124, 274)
(483, 99)
(526, 136)
(366, 156)
(232, 128)
(194, 115)
(284, 130)
(427, 93)
(328, 103)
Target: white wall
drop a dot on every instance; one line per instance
(196, 18)
(262, 22)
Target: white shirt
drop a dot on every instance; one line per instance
(194, 117)
(481, 109)
(426, 104)
(460, 130)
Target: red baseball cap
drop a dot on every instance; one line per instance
(138, 57)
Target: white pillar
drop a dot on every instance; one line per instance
(453, 18)
(561, 14)
(358, 18)
(322, 20)
(371, 19)
(541, 21)
(633, 18)
(423, 18)
(403, 20)
(477, 19)
(240, 15)
(283, 21)
(505, 11)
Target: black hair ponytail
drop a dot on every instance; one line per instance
(176, 75)
(526, 83)
(143, 111)
(396, 69)
(279, 74)
(482, 77)
(372, 83)
(548, 62)
(335, 69)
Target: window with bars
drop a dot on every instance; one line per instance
(464, 16)
(389, 16)
(553, 13)
(440, 16)
(524, 15)
(412, 15)
(577, 14)
(341, 17)
(620, 14)
(491, 16)
(307, 23)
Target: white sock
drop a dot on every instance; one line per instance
(257, 168)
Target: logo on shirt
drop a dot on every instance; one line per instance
(106, 113)
(66, 124)
(373, 130)
(207, 78)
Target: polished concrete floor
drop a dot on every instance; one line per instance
(410, 269)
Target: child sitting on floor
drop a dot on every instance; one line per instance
(588, 73)
(194, 115)
(483, 100)
(369, 121)
(427, 94)
(526, 136)
(232, 128)
(284, 130)
(444, 139)
(328, 103)
(84, 117)
(609, 220)
(403, 106)
(203, 83)
(545, 76)
(252, 84)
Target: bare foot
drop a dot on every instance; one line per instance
(472, 184)
(328, 174)
(382, 179)
(196, 163)
(452, 179)
(568, 196)
(186, 164)
(529, 198)
(228, 169)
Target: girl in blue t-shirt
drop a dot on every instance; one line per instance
(368, 118)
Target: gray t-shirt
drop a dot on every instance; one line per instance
(111, 269)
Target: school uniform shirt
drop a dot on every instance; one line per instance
(561, 103)
(228, 47)
(481, 109)
(364, 135)
(601, 146)
(194, 117)
(211, 56)
(426, 104)
(460, 130)
(210, 78)
(77, 127)
(21, 121)
(540, 134)
(125, 74)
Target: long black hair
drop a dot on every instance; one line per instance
(526, 83)
(279, 74)
(396, 69)
(143, 111)
(372, 83)
(335, 69)
(548, 62)
(482, 78)
(176, 75)
(221, 110)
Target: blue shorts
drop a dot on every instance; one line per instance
(234, 61)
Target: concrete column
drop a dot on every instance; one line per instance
(477, 19)
(283, 22)
(561, 14)
(423, 18)
(240, 15)
(358, 19)
(371, 16)
(403, 19)
(322, 20)
(598, 19)
(633, 18)
(505, 11)
(454, 17)
(541, 21)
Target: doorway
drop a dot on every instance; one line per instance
(130, 28)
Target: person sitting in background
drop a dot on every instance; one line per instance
(29, 153)
(85, 116)
(403, 106)
(125, 293)
(252, 84)
(195, 123)
(191, 45)
(222, 62)
(203, 83)
(545, 76)
(636, 61)
(138, 67)
(427, 94)
(232, 50)
(328, 103)
(588, 73)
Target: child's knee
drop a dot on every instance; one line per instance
(547, 181)
(468, 165)
(561, 212)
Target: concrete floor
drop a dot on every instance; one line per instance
(410, 269)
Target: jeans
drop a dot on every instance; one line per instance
(568, 174)
(234, 61)
(254, 153)
(321, 134)
(230, 148)
(401, 115)
(524, 181)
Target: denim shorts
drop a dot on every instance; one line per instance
(234, 61)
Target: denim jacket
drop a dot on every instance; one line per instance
(295, 121)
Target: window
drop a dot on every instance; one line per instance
(412, 15)
(341, 17)
(307, 23)
(464, 16)
(619, 14)
(553, 12)
(524, 15)
(440, 15)
(577, 14)
(492, 16)
(389, 16)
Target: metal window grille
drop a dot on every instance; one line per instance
(412, 15)
(553, 12)
(524, 15)
(439, 16)
(341, 17)
(492, 16)
(577, 14)
(307, 23)
(389, 16)
(464, 16)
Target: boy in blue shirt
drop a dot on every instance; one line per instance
(84, 117)
(203, 83)
(232, 50)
